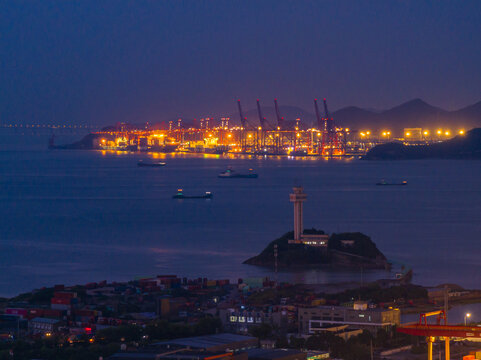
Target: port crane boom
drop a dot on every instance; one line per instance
(262, 119)
(242, 118)
(278, 115)
(318, 116)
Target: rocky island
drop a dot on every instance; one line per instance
(346, 250)
(303, 248)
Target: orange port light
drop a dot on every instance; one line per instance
(368, 132)
(249, 136)
(447, 133)
(461, 132)
(260, 128)
(408, 134)
(426, 132)
(439, 132)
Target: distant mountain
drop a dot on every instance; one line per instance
(417, 112)
(356, 118)
(466, 146)
(469, 112)
(414, 113)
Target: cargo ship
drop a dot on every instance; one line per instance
(229, 173)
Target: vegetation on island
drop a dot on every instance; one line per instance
(466, 146)
(362, 252)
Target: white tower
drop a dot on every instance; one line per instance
(298, 197)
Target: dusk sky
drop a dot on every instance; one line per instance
(100, 62)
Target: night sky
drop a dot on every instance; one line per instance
(99, 62)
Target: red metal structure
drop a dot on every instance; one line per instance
(431, 331)
(331, 140)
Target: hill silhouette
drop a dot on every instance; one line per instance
(466, 146)
(413, 113)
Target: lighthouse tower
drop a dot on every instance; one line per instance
(298, 197)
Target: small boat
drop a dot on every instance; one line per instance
(298, 153)
(150, 164)
(384, 182)
(180, 195)
(229, 173)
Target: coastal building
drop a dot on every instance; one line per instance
(43, 325)
(319, 240)
(315, 319)
(240, 320)
(12, 324)
(413, 134)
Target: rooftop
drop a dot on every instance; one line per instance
(45, 320)
(270, 354)
(207, 341)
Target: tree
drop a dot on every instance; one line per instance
(296, 343)
(262, 331)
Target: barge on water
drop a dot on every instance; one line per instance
(180, 195)
(142, 163)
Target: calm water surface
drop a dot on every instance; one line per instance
(81, 216)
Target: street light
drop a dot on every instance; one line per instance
(465, 317)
